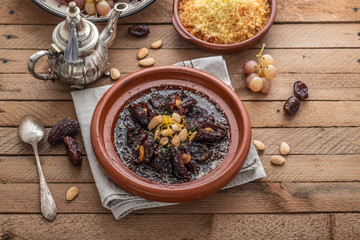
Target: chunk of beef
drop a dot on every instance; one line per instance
(187, 106)
(198, 152)
(139, 114)
(149, 150)
(179, 168)
(162, 161)
(216, 135)
(193, 167)
(198, 116)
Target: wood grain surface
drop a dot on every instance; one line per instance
(315, 195)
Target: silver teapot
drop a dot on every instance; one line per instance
(79, 54)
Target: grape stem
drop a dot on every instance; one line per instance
(259, 58)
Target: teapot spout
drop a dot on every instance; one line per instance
(109, 32)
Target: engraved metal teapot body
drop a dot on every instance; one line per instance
(79, 54)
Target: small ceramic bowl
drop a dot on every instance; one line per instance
(221, 48)
(135, 85)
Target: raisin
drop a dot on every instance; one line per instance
(63, 128)
(73, 151)
(291, 105)
(301, 90)
(139, 31)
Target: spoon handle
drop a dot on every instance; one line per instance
(48, 206)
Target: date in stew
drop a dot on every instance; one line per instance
(172, 136)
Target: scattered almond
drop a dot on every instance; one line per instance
(259, 145)
(147, 62)
(176, 117)
(154, 122)
(284, 148)
(277, 160)
(143, 52)
(183, 135)
(208, 129)
(114, 74)
(141, 153)
(192, 136)
(164, 141)
(175, 141)
(157, 44)
(72, 193)
(185, 158)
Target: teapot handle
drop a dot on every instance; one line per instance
(32, 62)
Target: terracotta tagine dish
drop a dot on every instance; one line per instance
(190, 82)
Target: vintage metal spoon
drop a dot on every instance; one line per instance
(31, 131)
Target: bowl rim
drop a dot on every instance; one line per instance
(185, 34)
(137, 185)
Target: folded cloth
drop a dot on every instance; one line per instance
(112, 196)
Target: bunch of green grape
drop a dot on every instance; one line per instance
(260, 73)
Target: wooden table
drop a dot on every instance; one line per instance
(315, 195)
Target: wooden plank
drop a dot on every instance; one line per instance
(346, 226)
(104, 226)
(249, 198)
(298, 168)
(289, 61)
(11, 144)
(234, 226)
(262, 114)
(314, 141)
(313, 168)
(56, 169)
(302, 36)
(161, 12)
(321, 87)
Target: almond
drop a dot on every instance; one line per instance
(164, 141)
(141, 153)
(156, 135)
(176, 117)
(143, 52)
(175, 141)
(192, 136)
(259, 145)
(72, 193)
(147, 62)
(277, 160)
(183, 135)
(176, 128)
(114, 74)
(166, 133)
(284, 148)
(208, 129)
(157, 44)
(185, 158)
(154, 122)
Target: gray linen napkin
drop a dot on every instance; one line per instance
(113, 197)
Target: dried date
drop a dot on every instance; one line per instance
(63, 128)
(301, 90)
(291, 105)
(139, 31)
(73, 151)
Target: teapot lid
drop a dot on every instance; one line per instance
(87, 32)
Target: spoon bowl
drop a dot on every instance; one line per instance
(31, 131)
